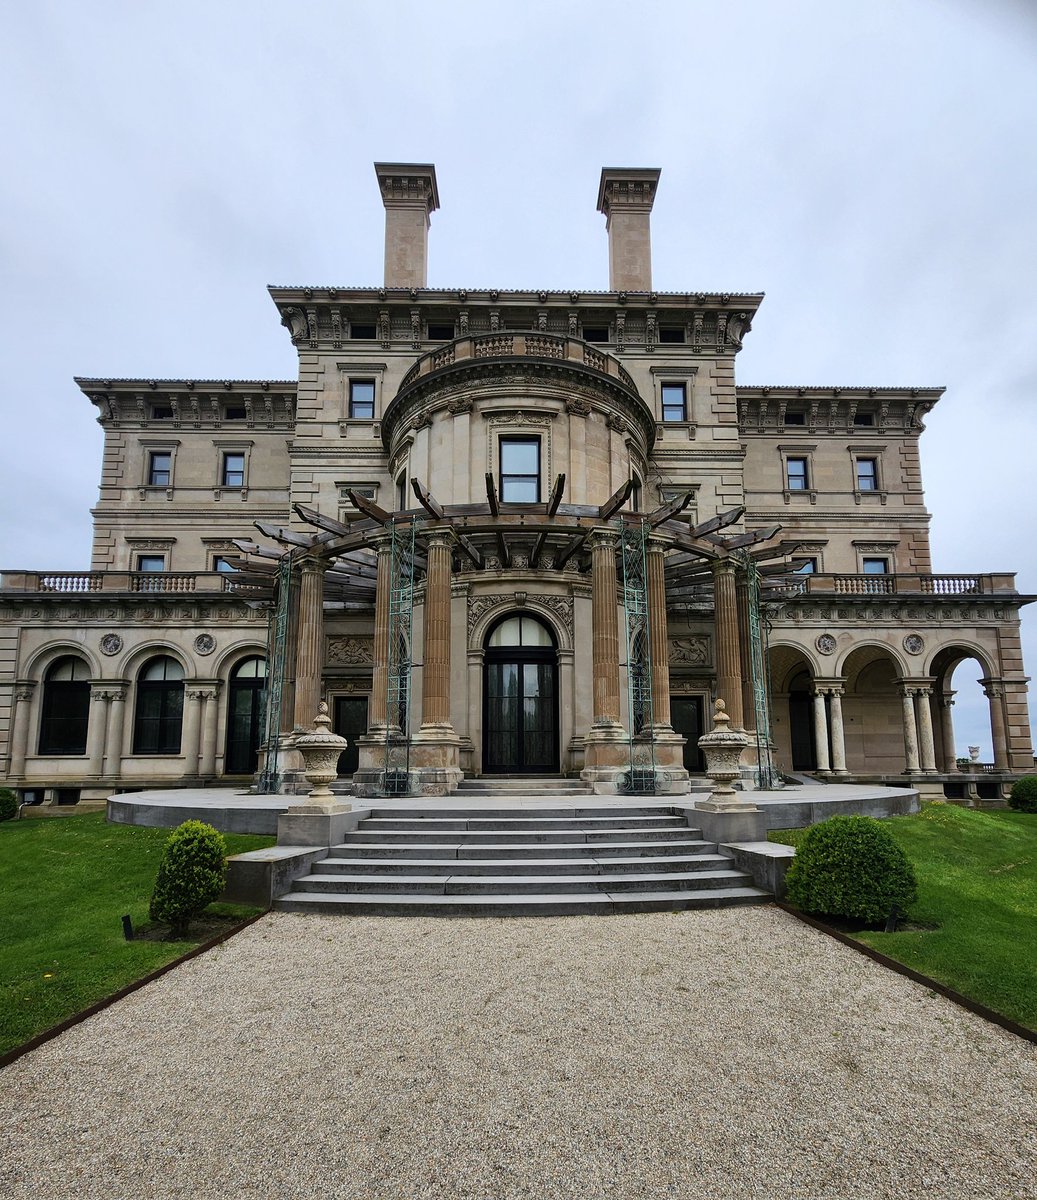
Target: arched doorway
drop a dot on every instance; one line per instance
(520, 698)
(246, 709)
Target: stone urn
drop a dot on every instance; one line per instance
(320, 749)
(723, 748)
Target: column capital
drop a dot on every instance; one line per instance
(24, 688)
(607, 539)
(439, 537)
(992, 688)
(312, 564)
(658, 543)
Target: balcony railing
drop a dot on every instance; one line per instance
(907, 585)
(94, 582)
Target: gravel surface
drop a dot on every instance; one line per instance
(730, 1053)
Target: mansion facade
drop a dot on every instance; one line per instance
(503, 533)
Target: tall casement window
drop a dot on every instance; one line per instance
(361, 398)
(233, 473)
(796, 478)
(520, 470)
(246, 708)
(65, 713)
(159, 713)
(675, 401)
(867, 471)
(160, 468)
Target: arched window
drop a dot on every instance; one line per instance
(65, 712)
(520, 631)
(520, 697)
(246, 710)
(159, 713)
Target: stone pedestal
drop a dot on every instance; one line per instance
(723, 748)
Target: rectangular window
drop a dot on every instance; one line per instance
(805, 566)
(221, 564)
(151, 562)
(233, 469)
(864, 418)
(440, 331)
(235, 412)
(359, 332)
(875, 566)
(162, 412)
(675, 402)
(361, 398)
(520, 470)
(595, 333)
(671, 334)
(867, 475)
(796, 474)
(795, 418)
(160, 468)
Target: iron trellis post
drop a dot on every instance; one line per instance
(277, 645)
(639, 658)
(396, 780)
(758, 670)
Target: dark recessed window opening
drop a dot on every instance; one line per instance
(864, 418)
(233, 470)
(796, 474)
(675, 402)
(867, 475)
(235, 412)
(159, 711)
(160, 465)
(162, 412)
(805, 566)
(361, 398)
(440, 331)
(671, 334)
(65, 712)
(520, 470)
(595, 333)
(795, 418)
(358, 332)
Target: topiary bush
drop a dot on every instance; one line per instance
(1023, 796)
(191, 875)
(851, 867)
(8, 804)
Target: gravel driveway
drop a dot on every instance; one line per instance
(730, 1053)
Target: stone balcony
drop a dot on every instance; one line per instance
(84, 583)
(907, 585)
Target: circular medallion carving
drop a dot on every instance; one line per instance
(111, 644)
(205, 643)
(826, 643)
(914, 644)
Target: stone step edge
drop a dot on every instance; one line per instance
(517, 880)
(518, 863)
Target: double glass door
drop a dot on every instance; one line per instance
(521, 713)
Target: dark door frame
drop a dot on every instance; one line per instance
(520, 656)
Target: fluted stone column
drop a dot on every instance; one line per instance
(821, 731)
(309, 660)
(97, 729)
(210, 715)
(671, 776)
(950, 758)
(838, 740)
(729, 660)
(605, 629)
(114, 738)
(745, 651)
(926, 742)
(377, 714)
(994, 692)
(23, 691)
(910, 731)
(194, 701)
(435, 678)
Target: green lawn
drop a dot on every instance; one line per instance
(64, 886)
(977, 881)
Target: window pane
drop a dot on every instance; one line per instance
(875, 566)
(533, 633)
(233, 470)
(674, 406)
(796, 474)
(866, 475)
(159, 469)
(508, 633)
(520, 458)
(150, 562)
(219, 563)
(518, 490)
(361, 398)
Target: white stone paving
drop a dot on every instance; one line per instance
(730, 1053)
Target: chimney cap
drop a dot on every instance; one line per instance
(632, 197)
(406, 182)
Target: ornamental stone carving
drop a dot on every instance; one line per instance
(693, 650)
(914, 643)
(204, 643)
(111, 644)
(560, 606)
(349, 651)
(825, 644)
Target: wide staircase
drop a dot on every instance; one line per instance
(521, 848)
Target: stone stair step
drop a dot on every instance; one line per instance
(347, 865)
(480, 812)
(518, 824)
(554, 904)
(457, 849)
(534, 836)
(489, 885)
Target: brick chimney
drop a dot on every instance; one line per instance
(625, 196)
(409, 194)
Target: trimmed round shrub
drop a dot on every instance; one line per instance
(1023, 796)
(8, 804)
(191, 875)
(851, 867)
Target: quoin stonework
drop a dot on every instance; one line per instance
(504, 532)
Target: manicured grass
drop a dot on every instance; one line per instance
(65, 884)
(977, 882)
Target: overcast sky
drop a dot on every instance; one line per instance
(869, 164)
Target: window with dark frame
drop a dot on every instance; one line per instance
(235, 412)
(595, 333)
(233, 469)
(520, 470)
(151, 563)
(160, 468)
(159, 709)
(440, 331)
(864, 418)
(361, 399)
(65, 711)
(794, 417)
(671, 334)
(675, 402)
(875, 566)
(401, 492)
(162, 412)
(867, 475)
(796, 478)
(362, 333)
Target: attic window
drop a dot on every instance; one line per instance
(864, 418)
(235, 412)
(671, 333)
(162, 412)
(362, 332)
(795, 418)
(440, 331)
(595, 333)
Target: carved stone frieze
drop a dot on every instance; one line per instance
(693, 649)
(349, 651)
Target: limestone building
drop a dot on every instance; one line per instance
(503, 532)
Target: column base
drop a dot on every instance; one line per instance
(384, 762)
(606, 759)
(434, 761)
